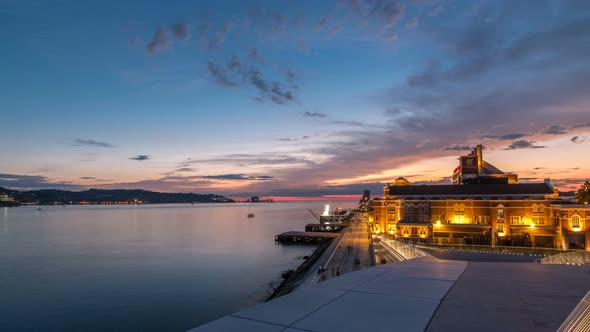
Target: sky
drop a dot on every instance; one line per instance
(290, 98)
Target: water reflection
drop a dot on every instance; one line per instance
(4, 227)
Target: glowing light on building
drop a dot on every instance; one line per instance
(326, 210)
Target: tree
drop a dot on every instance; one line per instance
(583, 194)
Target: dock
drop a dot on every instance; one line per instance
(305, 237)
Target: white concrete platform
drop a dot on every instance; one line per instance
(405, 295)
(424, 294)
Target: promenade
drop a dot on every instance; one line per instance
(351, 254)
(424, 294)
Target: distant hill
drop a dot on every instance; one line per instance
(99, 196)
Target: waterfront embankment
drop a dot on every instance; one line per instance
(295, 279)
(349, 252)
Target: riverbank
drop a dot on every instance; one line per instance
(291, 281)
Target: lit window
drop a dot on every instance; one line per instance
(500, 213)
(515, 220)
(458, 219)
(576, 221)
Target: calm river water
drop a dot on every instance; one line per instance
(144, 268)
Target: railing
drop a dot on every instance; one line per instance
(546, 252)
(402, 251)
(577, 257)
(579, 318)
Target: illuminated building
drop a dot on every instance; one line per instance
(365, 201)
(484, 206)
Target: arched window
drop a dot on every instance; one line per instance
(500, 212)
(538, 208)
(575, 221)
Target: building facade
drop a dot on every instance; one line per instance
(484, 209)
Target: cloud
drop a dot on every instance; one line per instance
(391, 36)
(234, 64)
(352, 123)
(220, 75)
(578, 139)
(288, 139)
(457, 148)
(141, 157)
(412, 24)
(522, 144)
(390, 12)
(269, 90)
(255, 56)
(506, 137)
(91, 142)
(92, 178)
(278, 24)
(385, 12)
(249, 160)
(219, 37)
(185, 169)
(291, 77)
(239, 177)
(315, 115)
(136, 42)
(555, 130)
(159, 41)
(482, 49)
(322, 23)
(567, 39)
(28, 182)
(181, 30)
(436, 11)
(336, 29)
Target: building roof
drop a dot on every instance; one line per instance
(490, 169)
(517, 189)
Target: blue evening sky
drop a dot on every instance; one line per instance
(289, 98)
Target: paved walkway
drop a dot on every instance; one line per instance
(352, 253)
(512, 297)
(424, 294)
